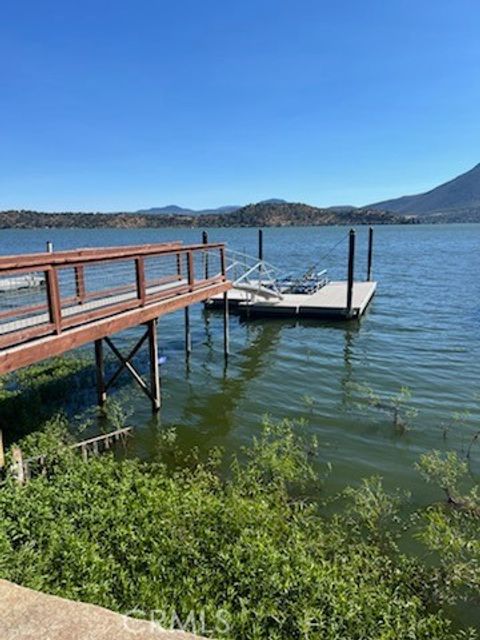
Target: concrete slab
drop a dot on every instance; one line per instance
(30, 615)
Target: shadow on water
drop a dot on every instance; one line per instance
(209, 398)
(209, 409)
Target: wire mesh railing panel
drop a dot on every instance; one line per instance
(110, 280)
(67, 286)
(38, 298)
(94, 287)
(23, 302)
(163, 271)
(211, 263)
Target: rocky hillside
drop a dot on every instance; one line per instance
(263, 214)
(288, 214)
(455, 201)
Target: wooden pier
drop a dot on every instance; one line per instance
(87, 295)
(56, 301)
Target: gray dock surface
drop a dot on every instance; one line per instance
(329, 302)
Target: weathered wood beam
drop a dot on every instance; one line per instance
(25, 354)
(129, 357)
(129, 366)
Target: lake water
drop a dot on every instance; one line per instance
(421, 331)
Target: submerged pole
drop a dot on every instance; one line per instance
(260, 244)
(226, 336)
(100, 370)
(370, 254)
(205, 253)
(154, 367)
(188, 336)
(226, 332)
(351, 268)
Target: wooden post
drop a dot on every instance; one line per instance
(154, 368)
(191, 271)
(188, 337)
(17, 465)
(100, 368)
(351, 268)
(205, 253)
(260, 244)
(2, 452)
(53, 298)
(370, 254)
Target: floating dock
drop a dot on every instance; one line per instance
(260, 289)
(329, 302)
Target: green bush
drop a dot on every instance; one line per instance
(242, 557)
(451, 530)
(31, 396)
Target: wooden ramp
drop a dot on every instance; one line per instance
(87, 295)
(329, 302)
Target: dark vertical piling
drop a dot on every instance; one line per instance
(226, 335)
(260, 244)
(100, 370)
(188, 336)
(370, 254)
(351, 269)
(154, 366)
(205, 254)
(226, 332)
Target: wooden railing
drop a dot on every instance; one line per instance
(50, 293)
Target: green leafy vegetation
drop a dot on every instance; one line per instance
(31, 399)
(451, 531)
(246, 555)
(31, 396)
(397, 406)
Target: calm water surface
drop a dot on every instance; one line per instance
(422, 332)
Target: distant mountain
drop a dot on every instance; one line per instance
(291, 214)
(262, 214)
(173, 209)
(455, 201)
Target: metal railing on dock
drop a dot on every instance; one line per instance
(52, 294)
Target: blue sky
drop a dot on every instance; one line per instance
(116, 105)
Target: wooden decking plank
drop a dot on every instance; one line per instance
(22, 355)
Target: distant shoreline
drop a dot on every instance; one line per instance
(255, 215)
